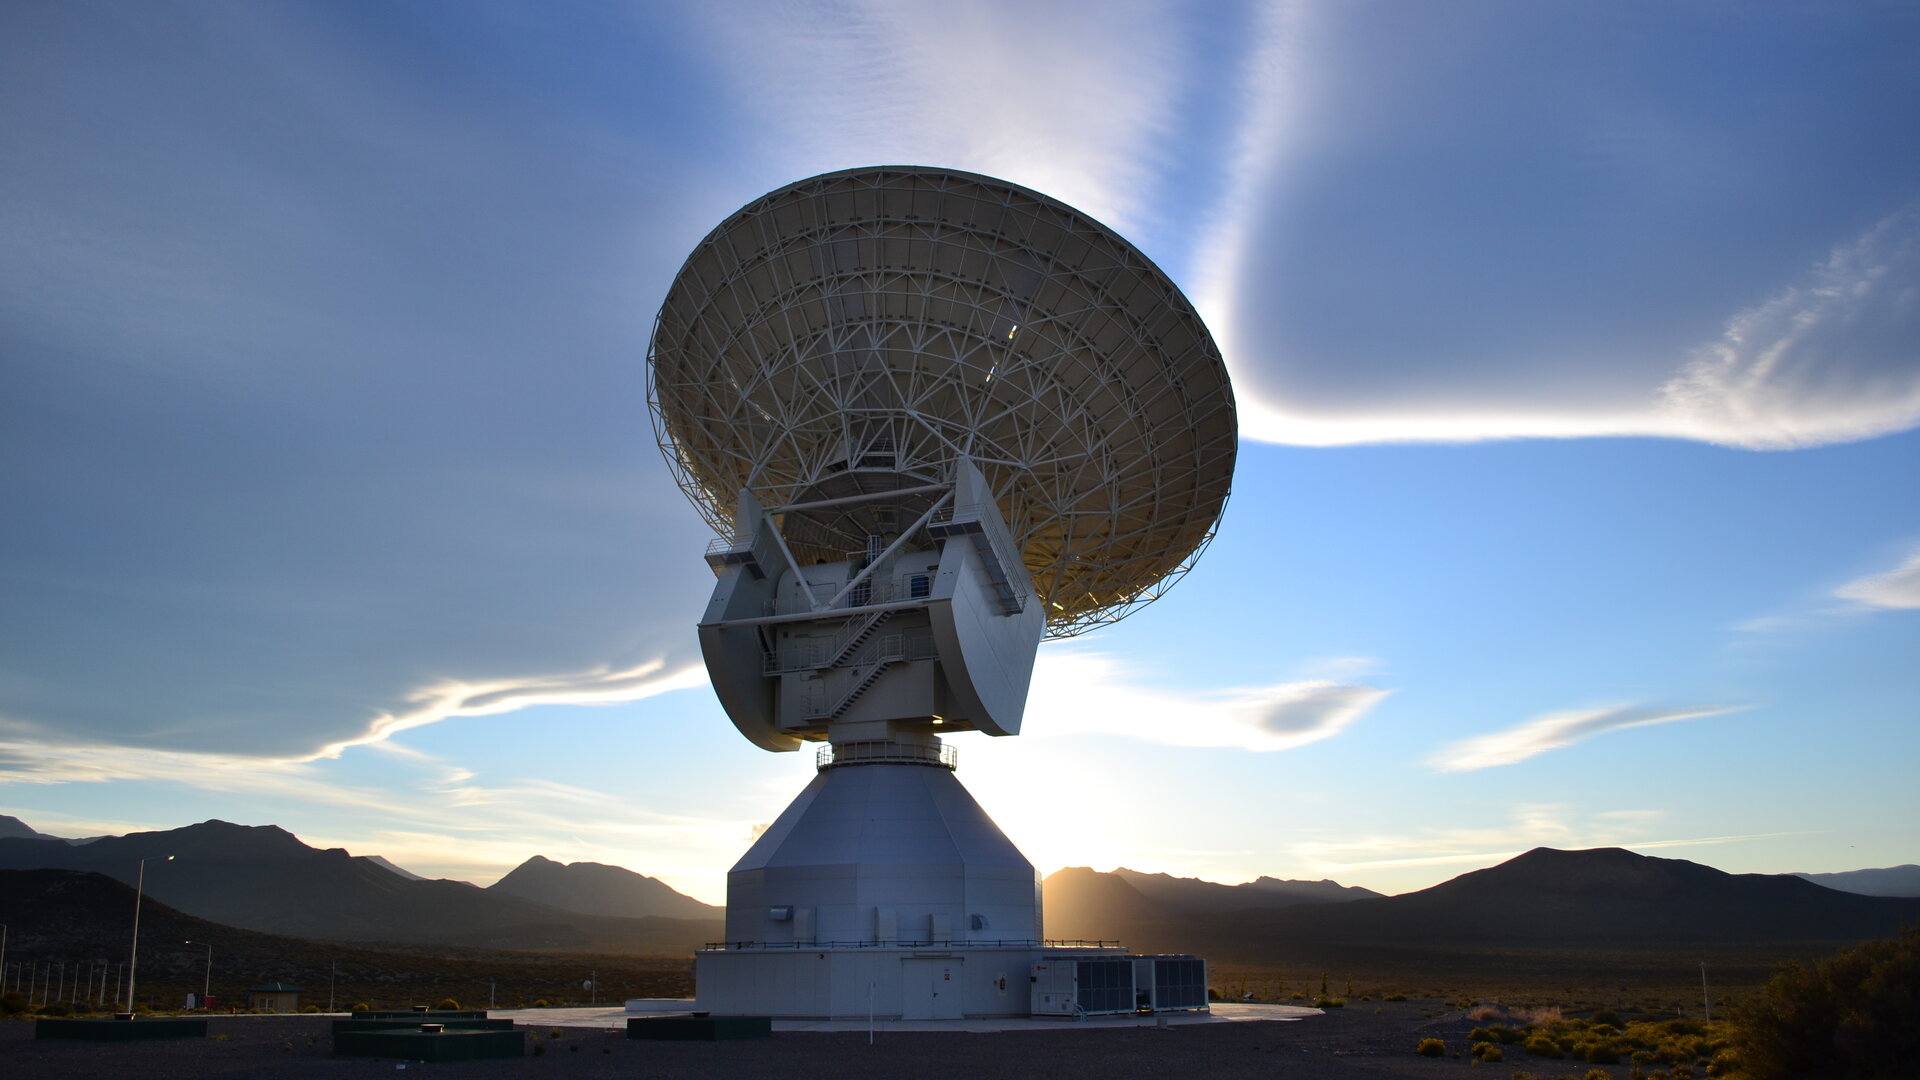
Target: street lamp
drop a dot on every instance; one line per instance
(133, 957)
(207, 983)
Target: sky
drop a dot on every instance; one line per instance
(1576, 349)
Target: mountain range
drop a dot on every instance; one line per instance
(1523, 914)
(1889, 881)
(263, 878)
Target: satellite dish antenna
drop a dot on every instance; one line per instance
(935, 417)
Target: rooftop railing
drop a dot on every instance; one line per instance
(886, 752)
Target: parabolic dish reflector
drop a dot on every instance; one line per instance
(865, 330)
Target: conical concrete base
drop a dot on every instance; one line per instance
(883, 887)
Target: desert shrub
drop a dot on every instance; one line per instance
(1481, 1034)
(309, 1008)
(1511, 1036)
(1487, 1051)
(1607, 1017)
(1601, 1054)
(539, 1003)
(1681, 1072)
(1463, 1003)
(1598, 1074)
(1394, 997)
(1481, 1013)
(1542, 1046)
(13, 1003)
(1330, 1003)
(361, 1006)
(447, 1003)
(1431, 1048)
(1725, 1063)
(58, 1008)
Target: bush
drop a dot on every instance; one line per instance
(58, 1008)
(1598, 1074)
(1542, 1046)
(361, 1006)
(13, 1003)
(1394, 997)
(309, 1008)
(1849, 1015)
(447, 1003)
(1601, 1054)
(1481, 1034)
(1607, 1017)
(1431, 1048)
(1487, 1051)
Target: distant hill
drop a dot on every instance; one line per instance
(1891, 881)
(598, 889)
(1195, 896)
(263, 878)
(1086, 904)
(1602, 899)
(84, 922)
(386, 863)
(15, 828)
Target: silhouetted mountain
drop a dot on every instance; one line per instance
(598, 889)
(1545, 899)
(263, 878)
(15, 828)
(1085, 904)
(387, 864)
(80, 924)
(1891, 881)
(1195, 897)
(1081, 903)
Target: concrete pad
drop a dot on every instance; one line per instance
(611, 1017)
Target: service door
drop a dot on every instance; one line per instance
(930, 989)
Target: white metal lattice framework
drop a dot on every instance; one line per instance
(863, 331)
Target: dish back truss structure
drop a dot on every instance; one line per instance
(866, 331)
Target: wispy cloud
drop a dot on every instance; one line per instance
(600, 686)
(1271, 110)
(1896, 588)
(1062, 97)
(1422, 240)
(1831, 359)
(1086, 692)
(1555, 730)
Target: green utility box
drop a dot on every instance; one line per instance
(150, 1027)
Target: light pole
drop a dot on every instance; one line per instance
(207, 983)
(133, 956)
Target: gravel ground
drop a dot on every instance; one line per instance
(1366, 1042)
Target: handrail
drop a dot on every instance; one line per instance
(886, 752)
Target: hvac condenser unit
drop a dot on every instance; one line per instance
(1106, 985)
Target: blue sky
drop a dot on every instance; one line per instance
(1577, 349)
